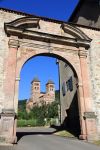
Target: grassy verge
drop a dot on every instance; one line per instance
(36, 122)
(26, 123)
(97, 142)
(64, 133)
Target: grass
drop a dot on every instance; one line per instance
(35, 122)
(64, 133)
(97, 142)
(26, 123)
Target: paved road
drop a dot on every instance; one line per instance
(42, 139)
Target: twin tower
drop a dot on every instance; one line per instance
(38, 97)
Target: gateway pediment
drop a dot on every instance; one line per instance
(46, 30)
(24, 23)
(74, 31)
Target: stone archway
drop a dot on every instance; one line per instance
(28, 37)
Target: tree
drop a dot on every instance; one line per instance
(53, 110)
(57, 96)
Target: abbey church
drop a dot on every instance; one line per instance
(76, 44)
(38, 97)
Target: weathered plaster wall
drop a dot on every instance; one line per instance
(68, 97)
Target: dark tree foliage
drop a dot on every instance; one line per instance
(52, 110)
(22, 105)
(57, 96)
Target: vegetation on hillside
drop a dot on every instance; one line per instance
(38, 115)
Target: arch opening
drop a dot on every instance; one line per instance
(68, 110)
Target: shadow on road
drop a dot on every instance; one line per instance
(22, 133)
(38, 131)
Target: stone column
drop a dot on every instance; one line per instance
(8, 116)
(11, 73)
(89, 116)
(16, 94)
(81, 111)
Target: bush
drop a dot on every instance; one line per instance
(37, 115)
(30, 123)
(40, 122)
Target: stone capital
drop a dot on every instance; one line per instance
(13, 43)
(82, 53)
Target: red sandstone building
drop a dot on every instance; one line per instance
(38, 97)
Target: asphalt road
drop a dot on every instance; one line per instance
(43, 139)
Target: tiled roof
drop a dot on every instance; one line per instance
(50, 82)
(35, 80)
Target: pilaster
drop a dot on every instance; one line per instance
(8, 115)
(7, 128)
(90, 122)
(11, 63)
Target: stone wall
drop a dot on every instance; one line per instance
(84, 16)
(56, 39)
(4, 17)
(94, 67)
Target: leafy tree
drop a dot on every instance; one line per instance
(22, 105)
(57, 96)
(53, 110)
(22, 115)
(39, 113)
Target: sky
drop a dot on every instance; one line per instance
(43, 67)
(56, 9)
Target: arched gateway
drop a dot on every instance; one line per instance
(31, 36)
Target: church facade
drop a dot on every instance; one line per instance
(38, 97)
